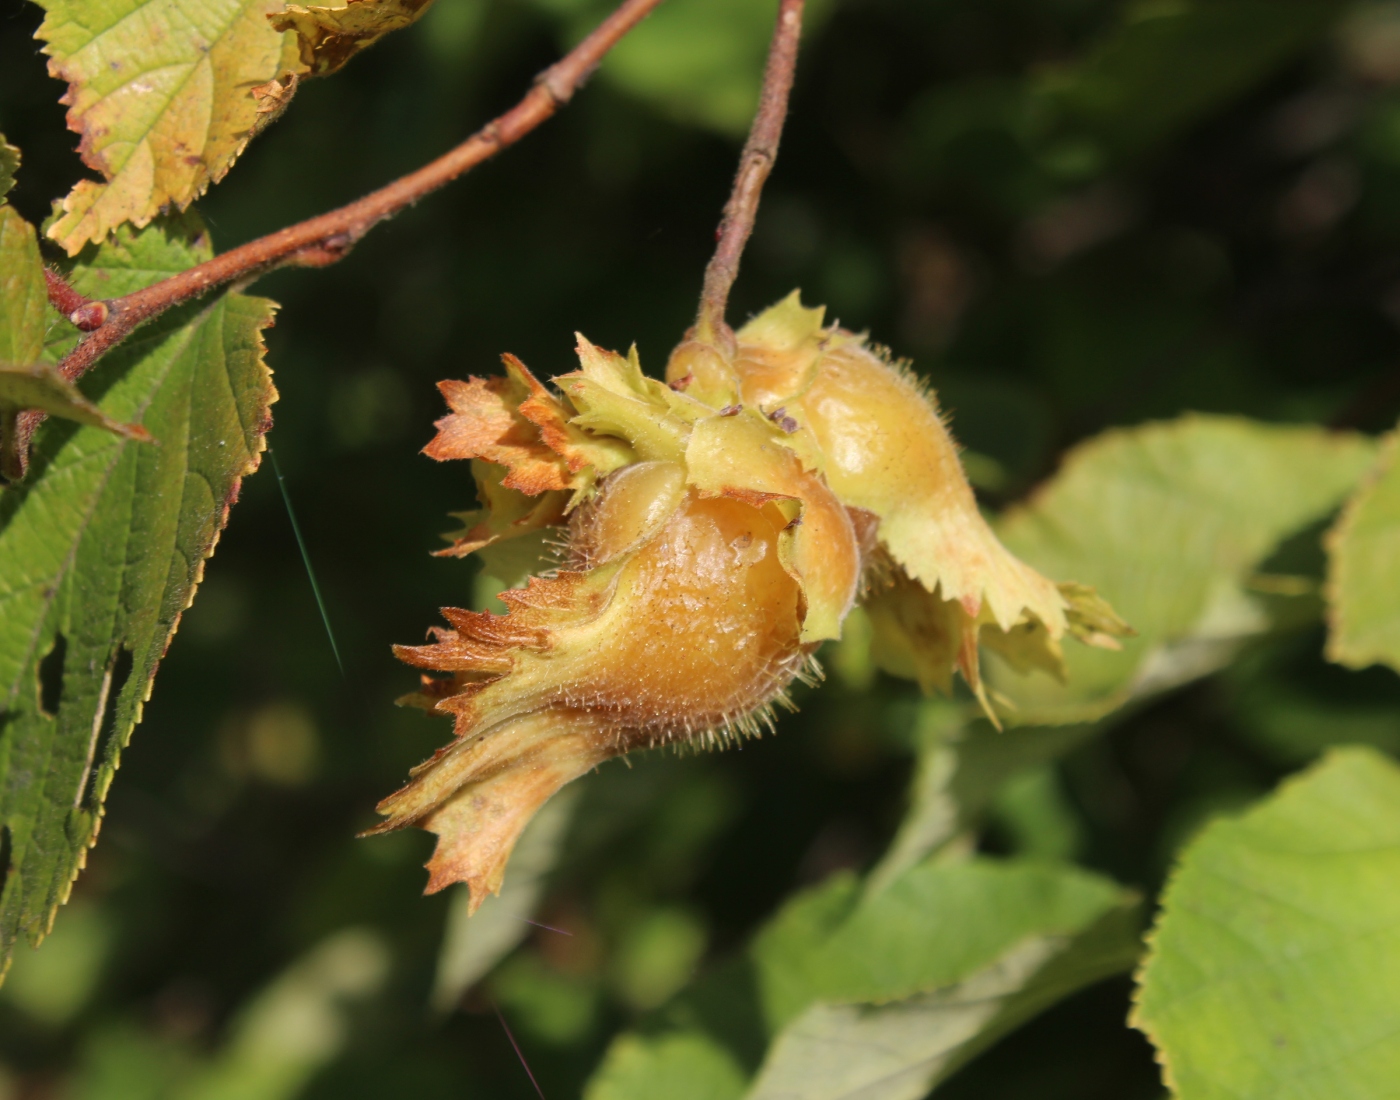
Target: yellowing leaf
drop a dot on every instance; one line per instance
(160, 91)
(329, 37)
(486, 423)
(1363, 586)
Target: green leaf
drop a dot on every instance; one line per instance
(895, 986)
(934, 926)
(24, 382)
(787, 953)
(41, 387)
(699, 61)
(165, 97)
(23, 297)
(919, 977)
(9, 165)
(473, 944)
(933, 816)
(1275, 961)
(939, 923)
(1169, 522)
(329, 37)
(900, 1050)
(961, 769)
(1363, 549)
(678, 1066)
(101, 550)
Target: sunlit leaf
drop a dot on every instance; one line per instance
(1274, 964)
(891, 989)
(161, 93)
(1364, 570)
(890, 996)
(328, 37)
(1168, 522)
(101, 550)
(901, 1049)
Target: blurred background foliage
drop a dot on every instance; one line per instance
(1071, 214)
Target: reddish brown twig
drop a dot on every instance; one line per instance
(325, 239)
(755, 162)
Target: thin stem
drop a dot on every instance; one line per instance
(325, 239)
(755, 162)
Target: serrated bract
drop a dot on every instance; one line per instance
(713, 531)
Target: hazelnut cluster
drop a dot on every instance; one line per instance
(713, 530)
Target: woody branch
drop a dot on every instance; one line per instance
(755, 162)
